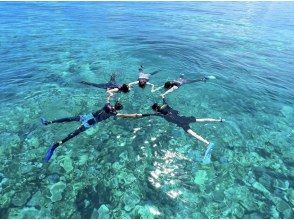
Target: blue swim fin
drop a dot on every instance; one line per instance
(50, 153)
(208, 152)
(44, 121)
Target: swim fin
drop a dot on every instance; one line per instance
(50, 152)
(207, 156)
(44, 121)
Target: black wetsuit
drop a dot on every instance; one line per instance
(87, 121)
(111, 84)
(171, 115)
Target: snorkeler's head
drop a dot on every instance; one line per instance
(142, 83)
(118, 106)
(155, 107)
(168, 85)
(124, 88)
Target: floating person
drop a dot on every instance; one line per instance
(111, 85)
(143, 78)
(171, 115)
(175, 84)
(87, 121)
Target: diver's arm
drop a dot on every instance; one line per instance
(152, 86)
(158, 88)
(135, 115)
(110, 93)
(209, 120)
(169, 91)
(133, 83)
(198, 137)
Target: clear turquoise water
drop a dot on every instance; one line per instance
(117, 171)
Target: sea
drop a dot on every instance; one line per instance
(147, 167)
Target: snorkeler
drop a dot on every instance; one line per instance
(111, 85)
(87, 121)
(184, 122)
(143, 78)
(175, 84)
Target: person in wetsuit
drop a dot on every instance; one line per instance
(143, 78)
(111, 86)
(175, 84)
(87, 121)
(171, 115)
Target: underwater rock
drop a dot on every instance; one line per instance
(27, 212)
(238, 211)
(143, 212)
(83, 159)
(291, 196)
(281, 205)
(103, 212)
(218, 196)
(95, 214)
(32, 142)
(56, 191)
(36, 200)
(258, 186)
(200, 177)
(21, 198)
(279, 184)
(274, 213)
(130, 199)
(53, 178)
(9, 141)
(5, 199)
(66, 163)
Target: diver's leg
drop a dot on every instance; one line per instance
(100, 85)
(57, 144)
(112, 78)
(153, 73)
(46, 122)
(188, 81)
(198, 137)
(209, 146)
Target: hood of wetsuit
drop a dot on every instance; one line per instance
(118, 106)
(124, 88)
(168, 84)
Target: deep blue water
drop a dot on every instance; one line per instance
(147, 167)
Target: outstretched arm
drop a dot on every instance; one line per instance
(110, 93)
(152, 86)
(158, 88)
(169, 91)
(209, 120)
(135, 115)
(133, 83)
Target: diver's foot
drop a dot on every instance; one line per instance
(50, 152)
(44, 121)
(208, 152)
